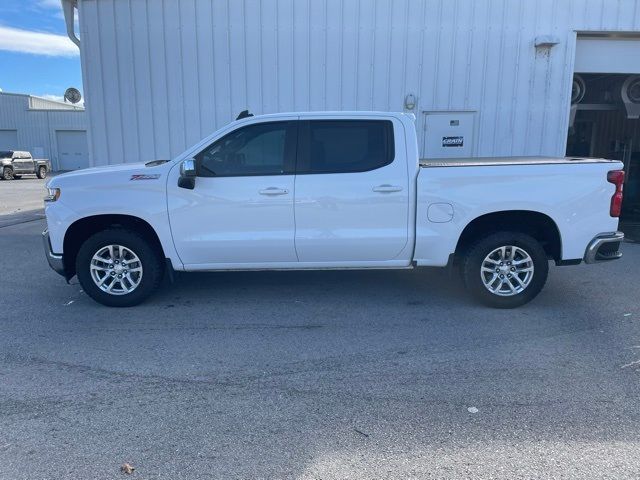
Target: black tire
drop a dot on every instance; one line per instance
(474, 259)
(150, 258)
(42, 172)
(7, 173)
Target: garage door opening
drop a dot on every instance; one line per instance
(605, 124)
(73, 151)
(9, 140)
(605, 111)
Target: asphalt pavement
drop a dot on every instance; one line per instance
(21, 200)
(317, 375)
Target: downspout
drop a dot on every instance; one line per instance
(69, 7)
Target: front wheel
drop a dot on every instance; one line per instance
(505, 269)
(7, 173)
(42, 172)
(118, 268)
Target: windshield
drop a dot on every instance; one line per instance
(6, 153)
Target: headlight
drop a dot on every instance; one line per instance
(53, 194)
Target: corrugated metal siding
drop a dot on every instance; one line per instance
(161, 74)
(37, 128)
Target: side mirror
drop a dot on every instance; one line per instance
(187, 174)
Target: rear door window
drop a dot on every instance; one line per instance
(345, 146)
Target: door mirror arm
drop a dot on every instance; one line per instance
(187, 174)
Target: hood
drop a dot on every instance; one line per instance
(120, 173)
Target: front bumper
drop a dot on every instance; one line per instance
(55, 261)
(604, 247)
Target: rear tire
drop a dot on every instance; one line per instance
(7, 173)
(505, 269)
(42, 172)
(119, 268)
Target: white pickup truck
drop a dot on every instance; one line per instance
(330, 190)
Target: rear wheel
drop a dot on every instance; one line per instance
(42, 172)
(7, 173)
(505, 269)
(118, 268)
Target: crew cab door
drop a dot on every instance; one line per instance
(22, 162)
(240, 212)
(352, 192)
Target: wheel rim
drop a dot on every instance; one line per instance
(43, 172)
(116, 270)
(507, 271)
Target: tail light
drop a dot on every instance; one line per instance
(617, 178)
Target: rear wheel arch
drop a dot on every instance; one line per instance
(79, 231)
(535, 224)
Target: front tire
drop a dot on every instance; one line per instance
(119, 268)
(505, 269)
(42, 172)
(7, 173)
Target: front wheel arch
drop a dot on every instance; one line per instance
(79, 231)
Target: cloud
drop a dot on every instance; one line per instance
(60, 98)
(57, 98)
(36, 43)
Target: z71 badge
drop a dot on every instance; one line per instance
(154, 176)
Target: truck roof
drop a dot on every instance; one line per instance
(334, 114)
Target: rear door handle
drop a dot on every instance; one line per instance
(386, 188)
(273, 191)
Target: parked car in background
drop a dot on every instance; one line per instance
(15, 163)
(331, 190)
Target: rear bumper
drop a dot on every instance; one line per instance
(604, 247)
(55, 261)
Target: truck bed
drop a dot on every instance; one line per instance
(497, 161)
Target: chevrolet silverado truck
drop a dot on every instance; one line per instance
(331, 190)
(14, 164)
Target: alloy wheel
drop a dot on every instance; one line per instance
(507, 271)
(116, 270)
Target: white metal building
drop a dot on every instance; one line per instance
(160, 75)
(46, 128)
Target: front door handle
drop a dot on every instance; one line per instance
(386, 188)
(273, 191)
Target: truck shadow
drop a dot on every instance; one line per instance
(405, 287)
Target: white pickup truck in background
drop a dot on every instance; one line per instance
(330, 190)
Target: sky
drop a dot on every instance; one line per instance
(36, 56)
